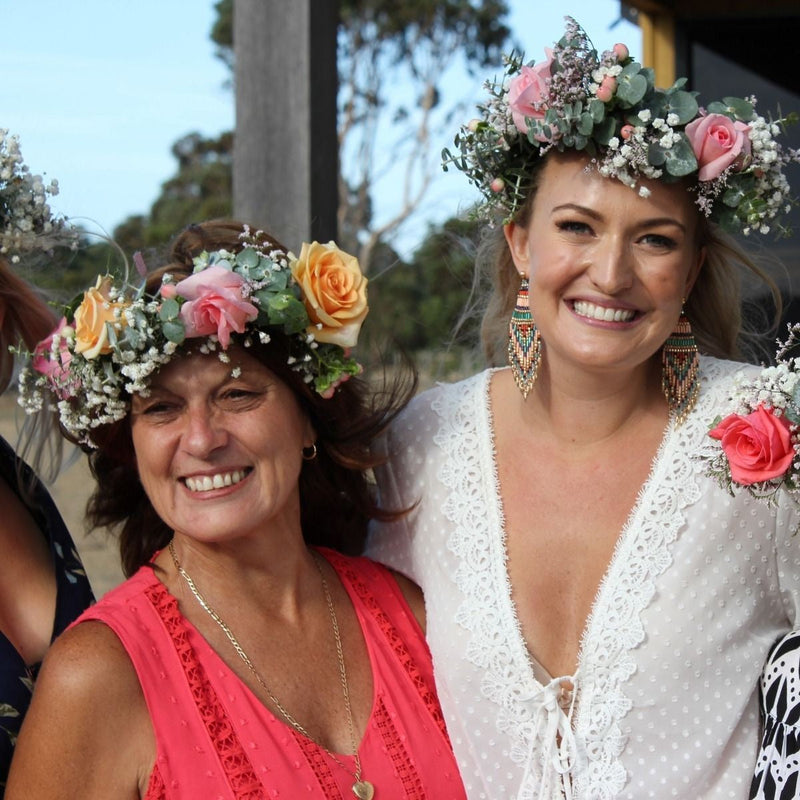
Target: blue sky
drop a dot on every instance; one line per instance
(99, 91)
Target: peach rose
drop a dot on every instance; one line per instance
(93, 317)
(717, 142)
(335, 292)
(215, 304)
(758, 446)
(528, 92)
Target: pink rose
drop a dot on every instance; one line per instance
(717, 142)
(529, 91)
(758, 446)
(54, 362)
(215, 304)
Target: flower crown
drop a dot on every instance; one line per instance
(608, 107)
(25, 217)
(757, 445)
(113, 338)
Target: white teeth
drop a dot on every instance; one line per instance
(586, 309)
(206, 483)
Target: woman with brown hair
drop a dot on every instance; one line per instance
(247, 655)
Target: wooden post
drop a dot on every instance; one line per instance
(285, 154)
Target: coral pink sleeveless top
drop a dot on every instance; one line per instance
(216, 741)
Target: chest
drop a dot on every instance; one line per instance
(564, 517)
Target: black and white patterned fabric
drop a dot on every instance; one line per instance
(778, 764)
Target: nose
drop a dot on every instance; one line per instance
(203, 432)
(611, 269)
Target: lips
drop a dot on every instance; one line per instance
(602, 313)
(207, 483)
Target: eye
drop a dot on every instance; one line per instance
(239, 397)
(573, 226)
(154, 408)
(659, 241)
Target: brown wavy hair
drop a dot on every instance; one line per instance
(337, 496)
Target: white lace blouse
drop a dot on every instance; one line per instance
(664, 701)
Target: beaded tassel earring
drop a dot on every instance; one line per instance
(524, 344)
(680, 367)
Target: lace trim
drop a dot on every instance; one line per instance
(236, 765)
(319, 762)
(401, 762)
(425, 689)
(156, 790)
(614, 628)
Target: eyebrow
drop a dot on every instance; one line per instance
(590, 212)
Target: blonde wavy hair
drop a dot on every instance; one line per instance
(714, 307)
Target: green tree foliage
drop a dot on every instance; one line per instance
(419, 304)
(201, 189)
(382, 45)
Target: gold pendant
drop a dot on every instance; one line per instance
(363, 790)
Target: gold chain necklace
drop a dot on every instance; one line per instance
(362, 789)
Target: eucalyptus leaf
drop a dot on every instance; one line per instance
(656, 155)
(733, 196)
(631, 85)
(585, 124)
(680, 158)
(131, 339)
(684, 105)
(742, 109)
(174, 332)
(247, 257)
(170, 309)
(597, 108)
(604, 131)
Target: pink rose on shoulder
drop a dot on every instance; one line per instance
(529, 91)
(758, 446)
(53, 360)
(215, 304)
(718, 142)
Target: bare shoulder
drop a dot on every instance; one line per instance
(413, 596)
(88, 709)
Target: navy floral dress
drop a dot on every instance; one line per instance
(73, 596)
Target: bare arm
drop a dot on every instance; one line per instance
(87, 734)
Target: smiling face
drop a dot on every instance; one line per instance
(608, 269)
(219, 456)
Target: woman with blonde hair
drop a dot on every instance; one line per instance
(601, 588)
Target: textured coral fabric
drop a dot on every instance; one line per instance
(215, 739)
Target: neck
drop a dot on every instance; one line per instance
(589, 408)
(281, 579)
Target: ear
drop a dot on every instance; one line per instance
(700, 259)
(517, 240)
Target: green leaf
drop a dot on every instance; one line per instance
(286, 310)
(684, 105)
(733, 196)
(247, 257)
(174, 331)
(604, 131)
(680, 159)
(597, 108)
(741, 109)
(169, 309)
(631, 85)
(656, 155)
(585, 124)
